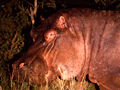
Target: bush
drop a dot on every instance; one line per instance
(13, 22)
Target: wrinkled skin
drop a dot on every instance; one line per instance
(74, 43)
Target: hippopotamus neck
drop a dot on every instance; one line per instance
(91, 35)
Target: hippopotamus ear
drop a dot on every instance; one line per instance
(61, 22)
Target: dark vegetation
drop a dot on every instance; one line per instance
(15, 26)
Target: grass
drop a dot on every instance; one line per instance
(57, 84)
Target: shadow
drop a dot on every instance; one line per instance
(27, 42)
(76, 3)
(96, 86)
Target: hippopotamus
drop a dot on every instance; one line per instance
(74, 43)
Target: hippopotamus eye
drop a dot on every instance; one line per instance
(21, 65)
(50, 35)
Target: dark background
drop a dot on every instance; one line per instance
(15, 26)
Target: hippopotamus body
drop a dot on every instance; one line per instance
(74, 43)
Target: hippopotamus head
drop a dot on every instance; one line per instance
(58, 51)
